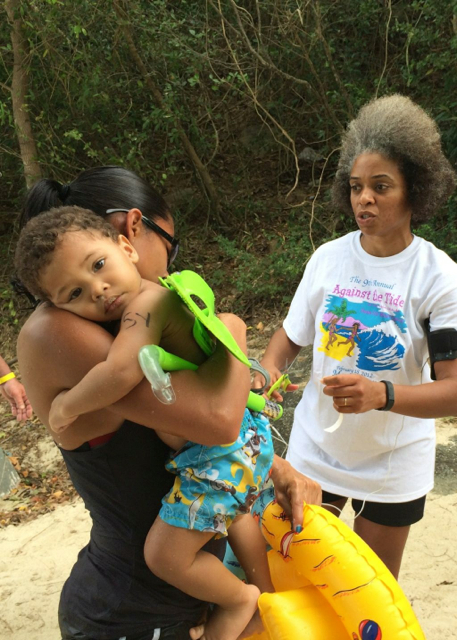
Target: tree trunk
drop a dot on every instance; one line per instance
(202, 171)
(19, 86)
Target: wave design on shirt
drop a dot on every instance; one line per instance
(352, 330)
(379, 352)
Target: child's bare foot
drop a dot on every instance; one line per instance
(254, 626)
(197, 632)
(228, 624)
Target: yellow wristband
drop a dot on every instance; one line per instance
(9, 376)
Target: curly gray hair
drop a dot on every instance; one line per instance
(399, 129)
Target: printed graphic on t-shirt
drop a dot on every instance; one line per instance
(362, 326)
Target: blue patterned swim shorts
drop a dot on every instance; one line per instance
(215, 484)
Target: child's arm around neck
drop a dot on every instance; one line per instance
(143, 322)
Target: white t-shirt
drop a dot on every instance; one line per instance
(365, 315)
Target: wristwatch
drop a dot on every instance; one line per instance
(390, 395)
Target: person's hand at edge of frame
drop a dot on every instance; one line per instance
(14, 392)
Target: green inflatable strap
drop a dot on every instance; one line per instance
(189, 285)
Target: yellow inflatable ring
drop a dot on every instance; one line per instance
(329, 584)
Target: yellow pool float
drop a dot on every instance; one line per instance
(330, 585)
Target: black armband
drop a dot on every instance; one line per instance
(442, 345)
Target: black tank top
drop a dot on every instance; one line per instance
(111, 592)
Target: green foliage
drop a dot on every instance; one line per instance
(250, 87)
(8, 313)
(442, 229)
(265, 266)
(315, 65)
(264, 279)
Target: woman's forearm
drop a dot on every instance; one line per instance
(210, 402)
(209, 406)
(4, 368)
(281, 351)
(353, 393)
(431, 400)
(56, 349)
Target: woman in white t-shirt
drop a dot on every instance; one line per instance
(363, 303)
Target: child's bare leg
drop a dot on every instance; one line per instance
(250, 548)
(176, 556)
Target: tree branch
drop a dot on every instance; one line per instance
(19, 87)
(159, 101)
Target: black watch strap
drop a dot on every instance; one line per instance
(390, 396)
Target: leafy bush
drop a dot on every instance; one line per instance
(263, 268)
(442, 229)
(251, 84)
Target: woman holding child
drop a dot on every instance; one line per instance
(117, 465)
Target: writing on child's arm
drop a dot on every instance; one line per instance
(111, 380)
(130, 320)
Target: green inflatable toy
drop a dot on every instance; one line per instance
(191, 288)
(199, 298)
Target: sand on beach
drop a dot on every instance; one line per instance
(36, 557)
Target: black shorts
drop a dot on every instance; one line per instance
(179, 631)
(390, 514)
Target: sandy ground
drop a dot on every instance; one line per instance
(36, 557)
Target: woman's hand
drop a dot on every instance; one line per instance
(275, 374)
(280, 354)
(14, 392)
(353, 393)
(292, 489)
(58, 419)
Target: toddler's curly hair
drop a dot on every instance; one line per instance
(42, 235)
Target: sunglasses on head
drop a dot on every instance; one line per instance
(155, 227)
